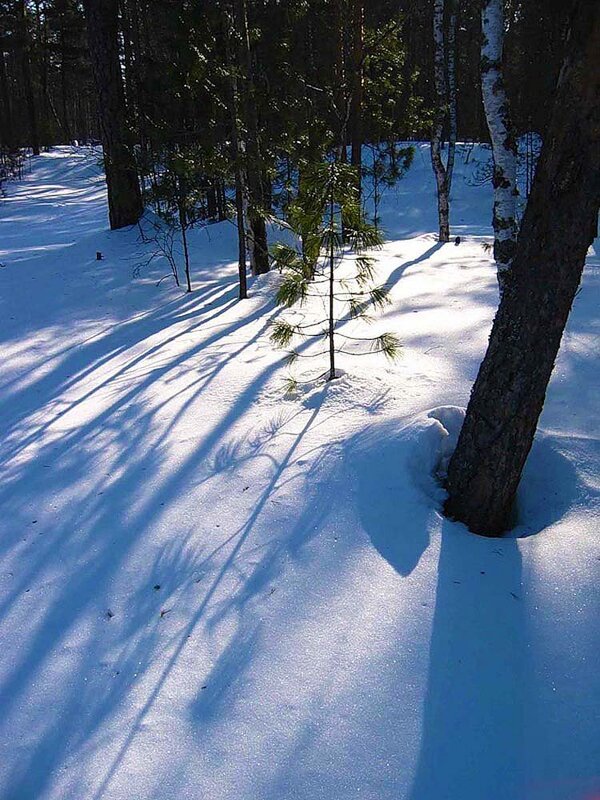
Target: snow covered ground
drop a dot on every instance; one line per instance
(210, 591)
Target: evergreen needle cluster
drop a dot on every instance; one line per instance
(328, 223)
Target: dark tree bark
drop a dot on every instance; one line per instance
(64, 86)
(240, 189)
(254, 165)
(183, 226)
(557, 230)
(357, 86)
(340, 92)
(6, 121)
(23, 44)
(124, 198)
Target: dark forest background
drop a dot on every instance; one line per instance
(174, 58)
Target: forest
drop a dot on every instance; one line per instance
(299, 431)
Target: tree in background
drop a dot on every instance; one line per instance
(7, 136)
(254, 161)
(557, 230)
(312, 80)
(357, 59)
(124, 197)
(238, 157)
(534, 49)
(504, 146)
(176, 194)
(46, 88)
(452, 99)
(444, 37)
(171, 53)
(389, 164)
(23, 41)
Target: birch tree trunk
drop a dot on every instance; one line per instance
(558, 227)
(504, 147)
(439, 169)
(453, 125)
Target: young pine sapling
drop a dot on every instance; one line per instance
(389, 164)
(327, 205)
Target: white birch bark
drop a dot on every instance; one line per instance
(452, 23)
(504, 148)
(437, 162)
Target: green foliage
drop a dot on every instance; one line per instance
(328, 223)
(176, 191)
(391, 102)
(389, 163)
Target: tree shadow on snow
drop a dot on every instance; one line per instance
(550, 486)
(472, 732)
(480, 709)
(399, 271)
(78, 561)
(394, 519)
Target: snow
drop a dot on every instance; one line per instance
(208, 590)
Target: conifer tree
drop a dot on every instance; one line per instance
(124, 197)
(328, 204)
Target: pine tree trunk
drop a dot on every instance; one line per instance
(331, 320)
(557, 230)
(340, 90)
(183, 223)
(124, 198)
(128, 60)
(6, 122)
(357, 87)
(64, 91)
(504, 146)
(138, 79)
(23, 44)
(254, 165)
(239, 212)
(43, 68)
(240, 189)
(441, 177)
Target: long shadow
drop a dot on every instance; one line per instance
(225, 675)
(380, 464)
(94, 538)
(74, 442)
(399, 271)
(235, 659)
(107, 507)
(471, 745)
(90, 559)
(472, 733)
(83, 361)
